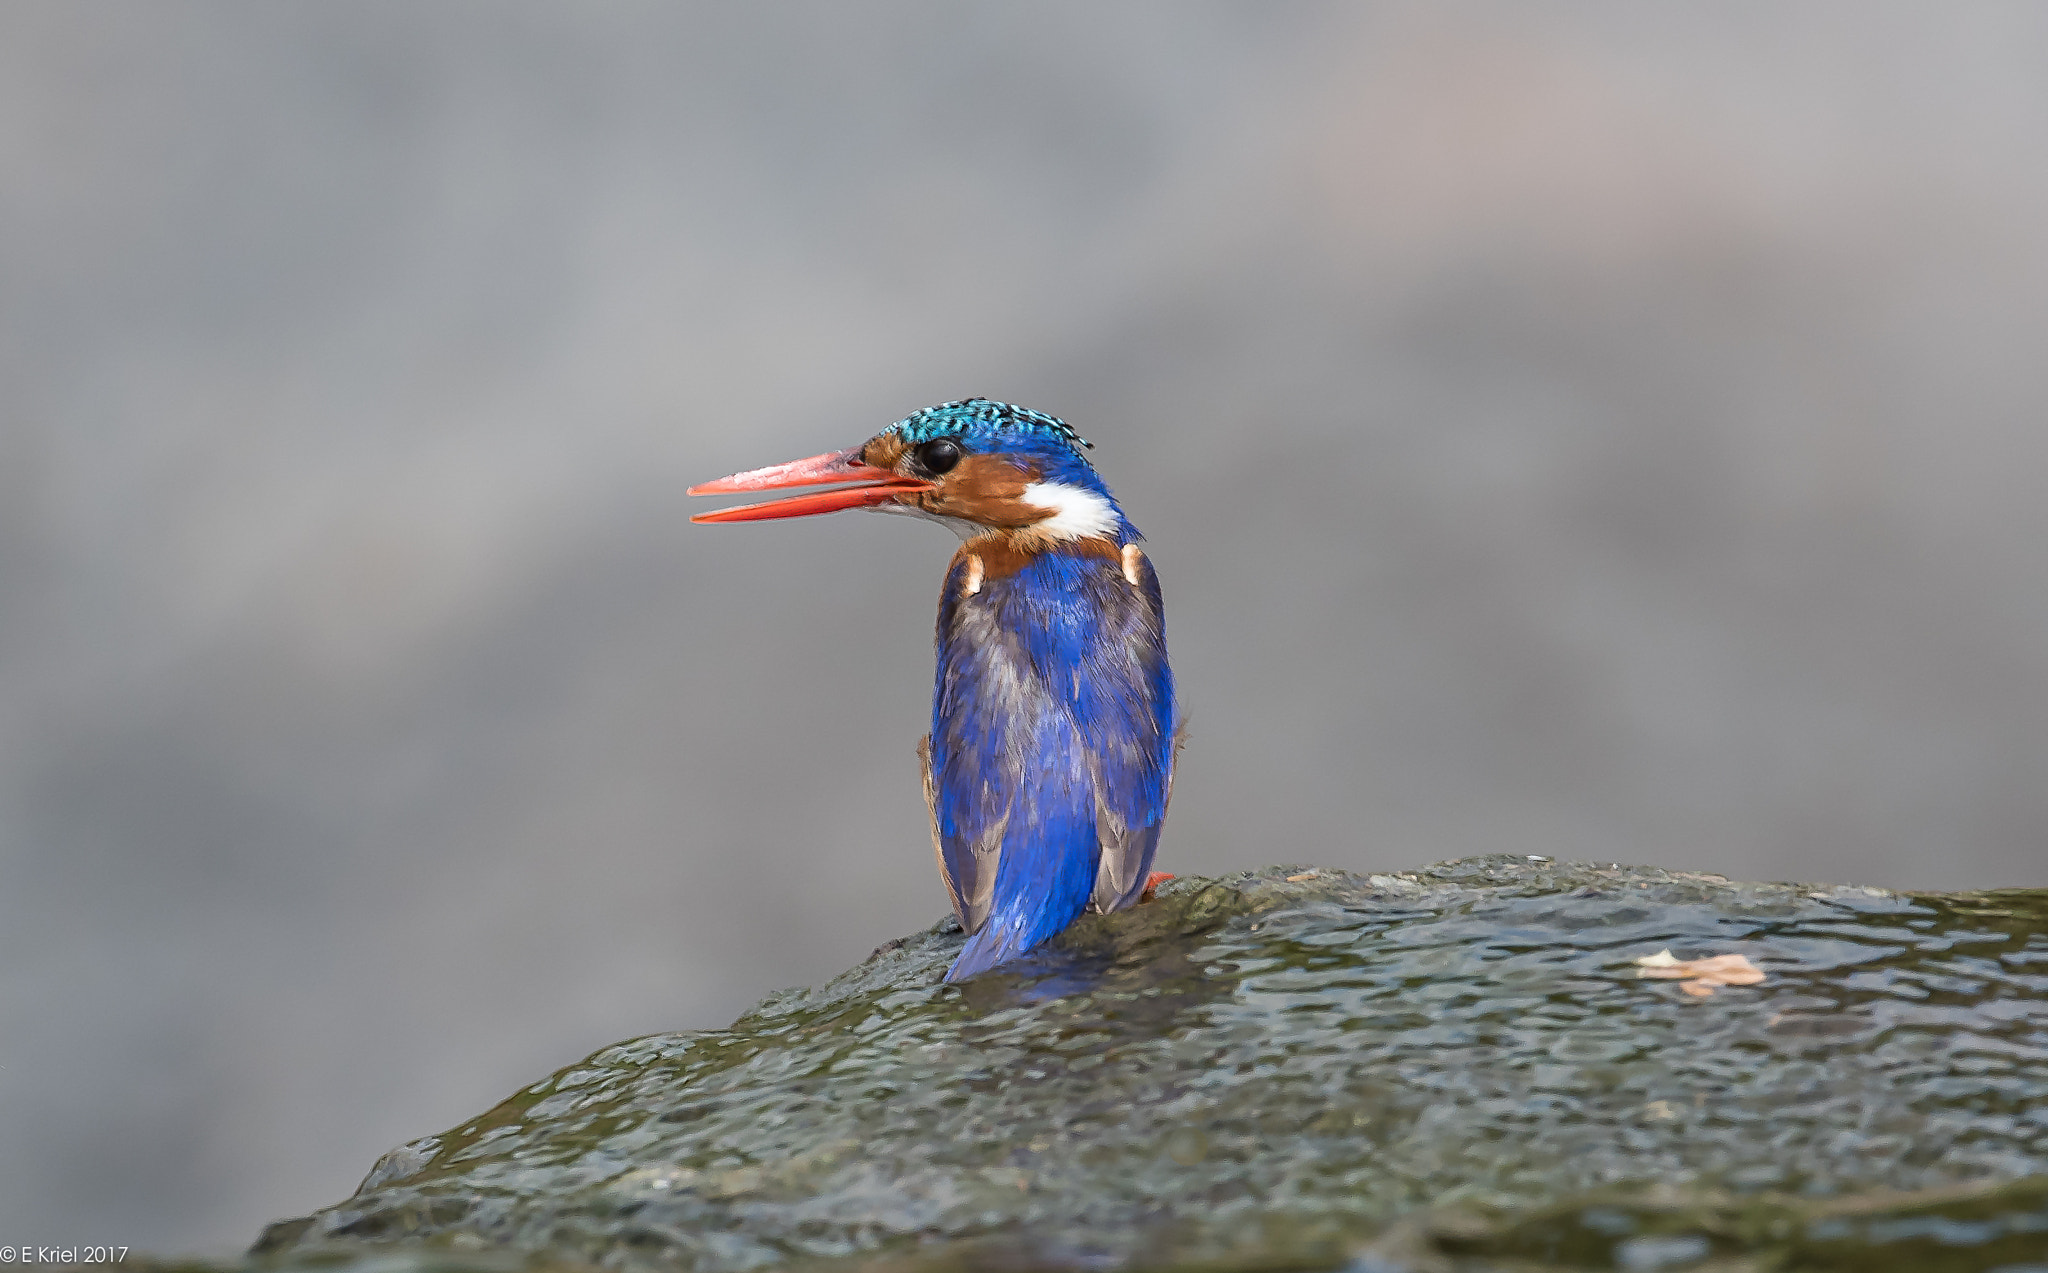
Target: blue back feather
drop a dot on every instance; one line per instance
(1054, 709)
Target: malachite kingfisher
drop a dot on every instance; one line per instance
(1050, 761)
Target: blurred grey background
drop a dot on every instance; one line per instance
(1608, 431)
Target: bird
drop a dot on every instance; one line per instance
(1055, 727)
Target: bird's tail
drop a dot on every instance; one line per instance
(1042, 885)
(1010, 932)
(994, 944)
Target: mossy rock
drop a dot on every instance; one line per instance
(1457, 1067)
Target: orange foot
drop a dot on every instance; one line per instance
(1153, 881)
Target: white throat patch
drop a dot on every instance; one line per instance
(960, 526)
(1075, 513)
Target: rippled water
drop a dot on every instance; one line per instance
(1456, 1067)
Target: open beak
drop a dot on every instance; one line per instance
(871, 486)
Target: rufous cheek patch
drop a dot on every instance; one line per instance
(884, 451)
(987, 489)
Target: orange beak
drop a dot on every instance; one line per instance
(871, 486)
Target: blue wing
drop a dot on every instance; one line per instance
(1129, 736)
(1051, 754)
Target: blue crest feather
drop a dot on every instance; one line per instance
(972, 415)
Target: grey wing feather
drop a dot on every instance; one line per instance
(1117, 873)
(1126, 850)
(972, 895)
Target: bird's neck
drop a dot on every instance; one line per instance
(999, 554)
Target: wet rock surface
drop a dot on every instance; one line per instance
(1457, 1067)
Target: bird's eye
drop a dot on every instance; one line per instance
(938, 455)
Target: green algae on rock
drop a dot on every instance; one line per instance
(1455, 1067)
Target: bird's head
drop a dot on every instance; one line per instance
(982, 467)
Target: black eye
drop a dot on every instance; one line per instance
(938, 455)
